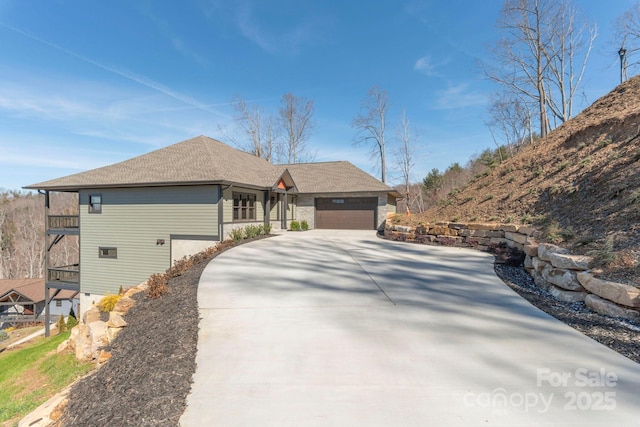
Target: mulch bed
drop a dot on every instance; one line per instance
(147, 380)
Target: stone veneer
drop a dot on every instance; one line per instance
(563, 275)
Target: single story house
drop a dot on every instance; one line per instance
(23, 300)
(138, 216)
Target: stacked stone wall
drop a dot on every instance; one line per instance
(565, 276)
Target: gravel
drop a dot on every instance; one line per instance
(620, 335)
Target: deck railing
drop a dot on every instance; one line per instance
(68, 274)
(57, 222)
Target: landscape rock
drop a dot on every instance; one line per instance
(539, 281)
(617, 292)
(98, 336)
(546, 249)
(132, 291)
(112, 333)
(531, 249)
(608, 308)
(567, 296)
(103, 357)
(91, 315)
(509, 228)
(124, 304)
(565, 279)
(62, 346)
(478, 226)
(571, 262)
(82, 342)
(528, 262)
(526, 229)
(116, 320)
(516, 237)
(539, 264)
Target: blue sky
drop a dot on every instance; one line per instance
(89, 83)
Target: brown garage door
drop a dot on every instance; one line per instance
(349, 213)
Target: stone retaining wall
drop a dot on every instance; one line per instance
(563, 275)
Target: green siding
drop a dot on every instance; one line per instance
(227, 195)
(132, 220)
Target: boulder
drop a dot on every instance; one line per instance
(528, 262)
(401, 228)
(98, 336)
(617, 292)
(516, 237)
(526, 229)
(112, 333)
(440, 230)
(565, 279)
(539, 264)
(477, 226)
(62, 346)
(571, 262)
(567, 296)
(116, 320)
(608, 308)
(103, 357)
(132, 291)
(546, 249)
(124, 304)
(82, 342)
(531, 249)
(91, 315)
(539, 281)
(511, 228)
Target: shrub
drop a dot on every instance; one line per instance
(4, 335)
(252, 231)
(157, 286)
(107, 302)
(61, 324)
(237, 234)
(266, 228)
(304, 225)
(295, 226)
(71, 321)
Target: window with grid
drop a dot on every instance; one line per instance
(244, 207)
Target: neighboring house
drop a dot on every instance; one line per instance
(140, 215)
(23, 300)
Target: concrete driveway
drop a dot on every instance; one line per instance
(344, 329)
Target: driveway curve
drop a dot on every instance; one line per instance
(340, 328)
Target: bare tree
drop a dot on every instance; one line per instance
(510, 121)
(537, 59)
(258, 134)
(627, 38)
(405, 161)
(370, 125)
(296, 119)
(570, 44)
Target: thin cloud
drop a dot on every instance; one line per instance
(426, 65)
(459, 96)
(142, 80)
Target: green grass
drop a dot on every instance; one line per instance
(30, 376)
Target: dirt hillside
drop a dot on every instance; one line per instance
(581, 183)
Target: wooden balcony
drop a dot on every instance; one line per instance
(63, 224)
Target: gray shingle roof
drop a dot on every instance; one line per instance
(333, 177)
(206, 160)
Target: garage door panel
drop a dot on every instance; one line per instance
(346, 213)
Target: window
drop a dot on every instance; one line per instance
(58, 303)
(95, 203)
(108, 252)
(244, 207)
